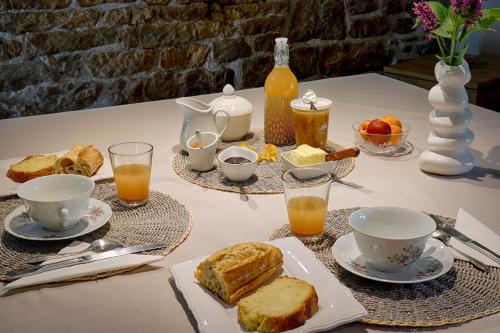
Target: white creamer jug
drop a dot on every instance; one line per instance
(198, 116)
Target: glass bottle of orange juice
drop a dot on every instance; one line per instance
(280, 89)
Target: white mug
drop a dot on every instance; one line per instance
(56, 202)
(391, 238)
(202, 158)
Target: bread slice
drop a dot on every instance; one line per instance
(32, 167)
(284, 304)
(89, 161)
(80, 160)
(65, 163)
(236, 270)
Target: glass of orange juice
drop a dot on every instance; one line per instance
(306, 193)
(131, 162)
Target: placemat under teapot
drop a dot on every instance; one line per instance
(462, 294)
(162, 220)
(267, 176)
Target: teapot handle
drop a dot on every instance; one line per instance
(227, 120)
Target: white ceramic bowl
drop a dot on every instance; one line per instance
(238, 172)
(56, 202)
(391, 238)
(238, 126)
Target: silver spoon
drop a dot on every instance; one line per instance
(198, 138)
(441, 235)
(243, 195)
(99, 245)
(310, 97)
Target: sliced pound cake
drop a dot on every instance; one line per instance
(32, 167)
(284, 304)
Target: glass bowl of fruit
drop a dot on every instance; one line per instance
(383, 136)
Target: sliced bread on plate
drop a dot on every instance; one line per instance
(285, 303)
(32, 167)
(236, 270)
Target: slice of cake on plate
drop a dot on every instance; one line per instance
(284, 304)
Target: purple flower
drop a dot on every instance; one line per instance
(469, 9)
(425, 14)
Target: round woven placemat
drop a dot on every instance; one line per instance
(267, 177)
(162, 220)
(462, 294)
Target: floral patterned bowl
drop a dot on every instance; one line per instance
(391, 238)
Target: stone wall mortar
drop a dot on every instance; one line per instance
(63, 55)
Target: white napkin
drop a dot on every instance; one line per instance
(471, 227)
(95, 267)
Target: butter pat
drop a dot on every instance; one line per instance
(306, 155)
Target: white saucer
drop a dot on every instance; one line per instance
(436, 260)
(18, 224)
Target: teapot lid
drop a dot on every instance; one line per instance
(231, 103)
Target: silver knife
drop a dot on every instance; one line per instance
(467, 241)
(14, 275)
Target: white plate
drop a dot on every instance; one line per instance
(18, 224)
(9, 187)
(337, 306)
(436, 260)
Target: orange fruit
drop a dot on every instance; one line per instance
(364, 125)
(396, 134)
(362, 128)
(393, 120)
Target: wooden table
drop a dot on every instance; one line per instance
(146, 301)
(483, 88)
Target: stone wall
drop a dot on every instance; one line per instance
(62, 55)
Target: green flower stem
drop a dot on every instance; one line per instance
(454, 61)
(441, 47)
(452, 49)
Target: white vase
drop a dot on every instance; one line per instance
(448, 152)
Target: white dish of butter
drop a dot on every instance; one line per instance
(307, 157)
(312, 162)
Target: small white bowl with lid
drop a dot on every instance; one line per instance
(240, 111)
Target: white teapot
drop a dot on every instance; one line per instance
(240, 112)
(199, 116)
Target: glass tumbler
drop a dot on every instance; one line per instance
(131, 162)
(306, 194)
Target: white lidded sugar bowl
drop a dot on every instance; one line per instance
(240, 112)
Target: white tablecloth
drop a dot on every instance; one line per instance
(146, 301)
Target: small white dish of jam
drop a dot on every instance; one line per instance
(237, 164)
